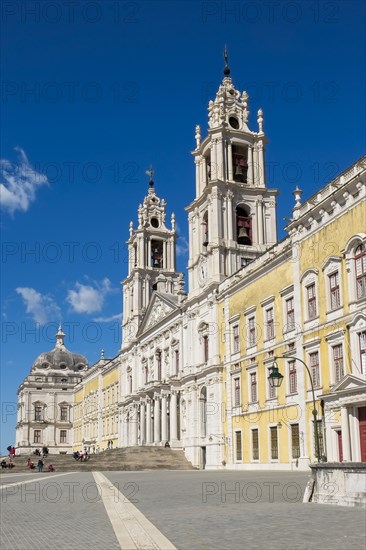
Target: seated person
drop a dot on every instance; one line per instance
(3, 464)
(51, 468)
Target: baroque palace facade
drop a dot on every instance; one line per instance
(193, 368)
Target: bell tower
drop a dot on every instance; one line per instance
(151, 262)
(232, 219)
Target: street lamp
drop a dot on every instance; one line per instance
(275, 380)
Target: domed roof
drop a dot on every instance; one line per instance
(60, 358)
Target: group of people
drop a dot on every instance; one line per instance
(82, 456)
(44, 452)
(40, 465)
(11, 451)
(5, 464)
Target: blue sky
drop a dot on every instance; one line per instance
(95, 92)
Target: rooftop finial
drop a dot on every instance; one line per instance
(150, 173)
(226, 58)
(60, 337)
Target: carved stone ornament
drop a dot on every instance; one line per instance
(159, 311)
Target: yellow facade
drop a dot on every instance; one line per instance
(264, 429)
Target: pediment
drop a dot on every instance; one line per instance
(350, 382)
(160, 306)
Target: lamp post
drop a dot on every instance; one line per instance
(275, 379)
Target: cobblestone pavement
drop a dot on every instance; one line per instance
(195, 510)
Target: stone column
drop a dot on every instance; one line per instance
(173, 415)
(134, 425)
(261, 164)
(230, 160)
(230, 216)
(346, 443)
(157, 437)
(142, 423)
(255, 166)
(197, 162)
(260, 221)
(204, 172)
(148, 421)
(250, 165)
(164, 418)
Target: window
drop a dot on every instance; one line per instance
(253, 387)
(237, 399)
(255, 445)
(335, 297)
(146, 370)
(37, 436)
(314, 368)
(240, 164)
(157, 254)
(64, 411)
(238, 450)
(38, 412)
(243, 227)
(274, 443)
(362, 342)
(205, 228)
(236, 340)
(295, 441)
(251, 331)
(63, 436)
(338, 362)
(319, 424)
(360, 269)
(205, 348)
(311, 297)
(176, 355)
(130, 383)
(158, 360)
(290, 314)
(292, 377)
(269, 324)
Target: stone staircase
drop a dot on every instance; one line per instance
(128, 458)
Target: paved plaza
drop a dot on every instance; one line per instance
(171, 509)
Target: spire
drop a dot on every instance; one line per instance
(226, 58)
(60, 335)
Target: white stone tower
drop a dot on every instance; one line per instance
(233, 216)
(151, 262)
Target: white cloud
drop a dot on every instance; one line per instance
(182, 246)
(87, 298)
(40, 306)
(19, 183)
(116, 317)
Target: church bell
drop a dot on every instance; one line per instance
(243, 236)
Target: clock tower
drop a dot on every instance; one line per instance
(151, 262)
(232, 219)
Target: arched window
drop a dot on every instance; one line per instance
(157, 254)
(158, 364)
(240, 163)
(360, 270)
(205, 228)
(243, 226)
(203, 410)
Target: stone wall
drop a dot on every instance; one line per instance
(340, 483)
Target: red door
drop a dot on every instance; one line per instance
(362, 423)
(340, 450)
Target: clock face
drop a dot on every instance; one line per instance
(202, 271)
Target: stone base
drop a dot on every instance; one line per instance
(341, 483)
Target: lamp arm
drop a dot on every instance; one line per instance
(316, 433)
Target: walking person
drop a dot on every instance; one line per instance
(40, 465)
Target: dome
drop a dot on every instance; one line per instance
(60, 358)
